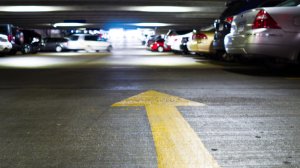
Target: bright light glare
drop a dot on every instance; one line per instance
(70, 24)
(31, 62)
(31, 8)
(163, 9)
(151, 24)
(116, 33)
(159, 61)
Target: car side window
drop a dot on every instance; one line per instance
(74, 38)
(3, 39)
(49, 40)
(63, 40)
(91, 38)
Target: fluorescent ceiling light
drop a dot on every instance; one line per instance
(31, 8)
(70, 24)
(163, 9)
(151, 24)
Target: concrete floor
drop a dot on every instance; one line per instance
(55, 110)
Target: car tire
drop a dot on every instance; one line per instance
(26, 49)
(58, 49)
(227, 57)
(89, 48)
(160, 49)
(109, 48)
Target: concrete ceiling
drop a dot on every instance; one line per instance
(113, 13)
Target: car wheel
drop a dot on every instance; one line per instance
(26, 49)
(109, 48)
(160, 49)
(227, 57)
(89, 48)
(58, 49)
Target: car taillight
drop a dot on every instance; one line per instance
(229, 19)
(10, 38)
(264, 20)
(199, 36)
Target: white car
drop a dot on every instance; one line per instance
(271, 32)
(88, 43)
(5, 45)
(175, 39)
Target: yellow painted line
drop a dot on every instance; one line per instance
(177, 144)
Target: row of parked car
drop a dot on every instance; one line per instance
(267, 29)
(75, 42)
(14, 39)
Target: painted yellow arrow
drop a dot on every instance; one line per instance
(177, 145)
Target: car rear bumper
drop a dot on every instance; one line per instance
(201, 47)
(283, 45)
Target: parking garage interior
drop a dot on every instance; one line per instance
(100, 84)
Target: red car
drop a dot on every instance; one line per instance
(160, 46)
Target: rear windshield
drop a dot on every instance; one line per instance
(290, 3)
(271, 3)
(3, 39)
(179, 32)
(237, 6)
(160, 40)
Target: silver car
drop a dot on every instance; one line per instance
(272, 33)
(88, 43)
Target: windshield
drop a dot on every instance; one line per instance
(290, 3)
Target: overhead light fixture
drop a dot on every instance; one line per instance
(163, 9)
(70, 24)
(31, 8)
(151, 24)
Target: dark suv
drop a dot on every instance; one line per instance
(57, 44)
(223, 24)
(32, 42)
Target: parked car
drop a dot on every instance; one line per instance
(32, 42)
(201, 42)
(270, 32)
(88, 42)
(54, 44)
(14, 35)
(178, 39)
(160, 46)
(5, 45)
(151, 39)
(223, 24)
